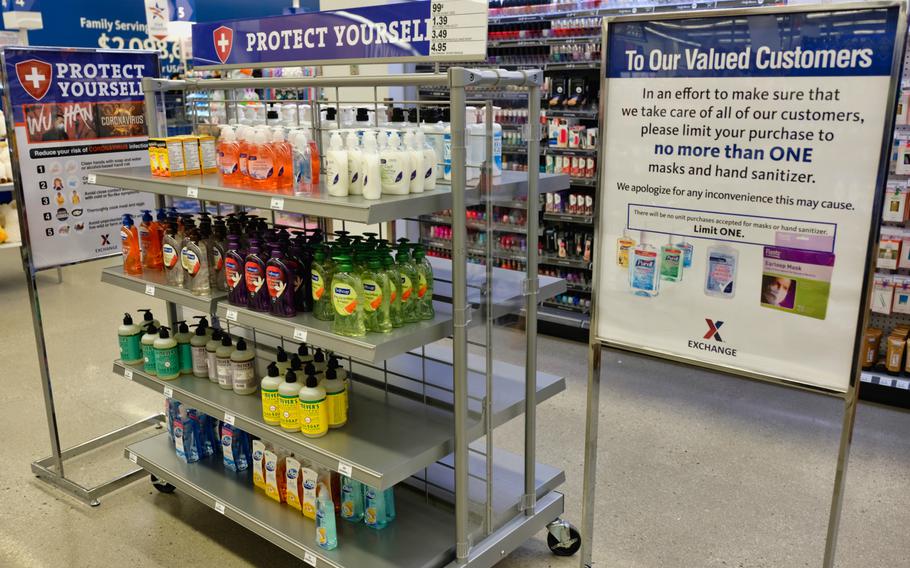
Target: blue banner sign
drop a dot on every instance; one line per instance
(410, 31)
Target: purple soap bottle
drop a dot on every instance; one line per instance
(234, 271)
(280, 280)
(254, 270)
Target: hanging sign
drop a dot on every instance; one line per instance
(75, 110)
(744, 158)
(453, 30)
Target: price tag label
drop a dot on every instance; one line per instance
(345, 469)
(903, 385)
(219, 506)
(300, 334)
(309, 558)
(149, 290)
(864, 378)
(128, 374)
(228, 418)
(885, 381)
(277, 203)
(133, 458)
(192, 192)
(231, 316)
(92, 179)
(458, 27)
(168, 392)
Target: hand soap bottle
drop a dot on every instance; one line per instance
(375, 515)
(167, 358)
(425, 309)
(336, 399)
(211, 353)
(355, 164)
(351, 500)
(243, 369)
(234, 271)
(196, 264)
(148, 350)
(199, 355)
(289, 403)
(271, 411)
(394, 163)
(129, 241)
(415, 162)
(280, 282)
(173, 268)
(150, 242)
(130, 338)
(254, 268)
(282, 361)
(336, 168)
(322, 280)
(183, 337)
(314, 412)
(394, 276)
(326, 531)
(376, 305)
(347, 299)
(223, 362)
(430, 160)
(371, 168)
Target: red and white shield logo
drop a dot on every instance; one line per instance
(224, 41)
(35, 76)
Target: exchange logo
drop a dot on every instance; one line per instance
(713, 327)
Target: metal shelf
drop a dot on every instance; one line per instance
(566, 307)
(540, 41)
(567, 218)
(352, 208)
(10, 245)
(885, 380)
(420, 536)
(563, 113)
(371, 347)
(584, 182)
(570, 262)
(475, 250)
(477, 225)
(154, 284)
(582, 152)
(562, 317)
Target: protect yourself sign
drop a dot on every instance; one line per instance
(76, 111)
(741, 164)
(409, 31)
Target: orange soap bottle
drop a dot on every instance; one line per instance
(229, 157)
(150, 242)
(129, 240)
(262, 160)
(284, 156)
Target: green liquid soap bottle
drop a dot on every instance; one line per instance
(289, 403)
(211, 355)
(336, 399)
(130, 338)
(394, 277)
(322, 280)
(243, 369)
(351, 500)
(377, 304)
(223, 362)
(198, 353)
(374, 515)
(672, 259)
(148, 349)
(425, 308)
(167, 357)
(408, 281)
(390, 504)
(326, 531)
(271, 411)
(314, 408)
(184, 347)
(347, 299)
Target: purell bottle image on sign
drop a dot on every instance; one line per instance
(644, 277)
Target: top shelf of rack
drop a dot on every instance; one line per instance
(352, 208)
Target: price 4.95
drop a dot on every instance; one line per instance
(438, 47)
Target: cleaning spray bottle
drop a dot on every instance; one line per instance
(395, 165)
(289, 403)
(371, 168)
(336, 168)
(129, 242)
(167, 357)
(355, 164)
(223, 362)
(199, 355)
(314, 412)
(183, 337)
(150, 242)
(430, 159)
(130, 338)
(271, 413)
(243, 369)
(326, 533)
(148, 350)
(211, 353)
(415, 162)
(347, 299)
(173, 269)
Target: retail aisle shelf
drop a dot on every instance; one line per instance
(537, 41)
(563, 317)
(476, 225)
(563, 113)
(583, 152)
(10, 245)
(584, 182)
(154, 284)
(570, 262)
(420, 536)
(352, 208)
(886, 380)
(567, 218)
(371, 347)
(477, 250)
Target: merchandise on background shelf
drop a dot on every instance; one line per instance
(902, 162)
(257, 463)
(889, 251)
(901, 297)
(882, 295)
(895, 346)
(895, 209)
(236, 447)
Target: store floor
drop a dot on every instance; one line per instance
(696, 470)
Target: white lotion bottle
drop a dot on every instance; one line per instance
(395, 164)
(355, 164)
(336, 168)
(476, 143)
(369, 163)
(415, 161)
(430, 161)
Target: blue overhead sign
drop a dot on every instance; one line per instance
(410, 31)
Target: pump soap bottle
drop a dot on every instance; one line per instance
(130, 338)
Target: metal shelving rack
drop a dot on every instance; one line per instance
(423, 408)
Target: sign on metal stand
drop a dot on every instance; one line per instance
(744, 157)
(69, 111)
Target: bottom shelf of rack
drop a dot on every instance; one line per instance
(422, 535)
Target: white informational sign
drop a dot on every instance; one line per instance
(739, 187)
(157, 16)
(75, 111)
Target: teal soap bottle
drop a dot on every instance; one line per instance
(351, 500)
(167, 358)
(326, 531)
(184, 347)
(130, 338)
(375, 515)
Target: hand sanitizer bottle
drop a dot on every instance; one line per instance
(430, 159)
(624, 245)
(415, 162)
(644, 275)
(336, 168)
(395, 164)
(687, 249)
(355, 166)
(671, 262)
(370, 168)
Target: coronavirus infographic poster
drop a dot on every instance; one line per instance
(75, 111)
(741, 159)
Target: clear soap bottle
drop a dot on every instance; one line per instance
(347, 299)
(644, 273)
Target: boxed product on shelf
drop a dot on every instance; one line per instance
(889, 250)
(902, 160)
(901, 303)
(895, 209)
(903, 107)
(882, 295)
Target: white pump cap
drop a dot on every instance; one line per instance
(336, 143)
(394, 141)
(353, 141)
(228, 135)
(409, 139)
(369, 142)
(420, 139)
(277, 134)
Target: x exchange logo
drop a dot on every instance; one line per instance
(713, 328)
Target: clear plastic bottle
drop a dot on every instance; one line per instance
(129, 240)
(150, 242)
(347, 299)
(375, 515)
(229, 157)
(322, 293)
(351, 500)
(284, 161)
(425, 310)
(173, 268)
(195, 262)
(409, 279)
(377, 295)
(644, 273)
(326, 531)
(303, 164)
(394, 277)
(262, 161)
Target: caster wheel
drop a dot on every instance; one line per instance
(568, 547)
(162, 486)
